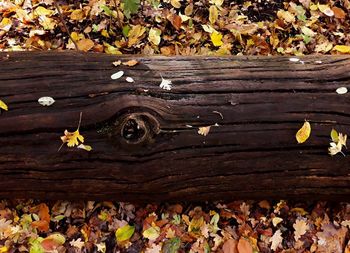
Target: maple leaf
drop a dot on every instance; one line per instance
(74, 138)
(204, 130)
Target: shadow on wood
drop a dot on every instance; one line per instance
(145, 140)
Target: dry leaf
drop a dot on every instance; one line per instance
(216, 38)
(116, 63)
(129, 79)
(213, 14)
(300, 228)
(230, 246)
(154, 36)
(85, 44)
(338, 141)
(244, 246)
(130, 63)
(342, 49)
(204, 130)
(77, 15)
(304, 132)
(175, 3)
(46, 101)
(338, 12)
(72, 138)
(85, 147)
(276, 240)
(3, 105)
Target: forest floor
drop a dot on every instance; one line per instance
(174, 27)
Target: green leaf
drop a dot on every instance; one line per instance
(214, 222)
(126, 30)
(107, 10)
(172, 245)
(124, 233)
(334, 135)
(131, 7)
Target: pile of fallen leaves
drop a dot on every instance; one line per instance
(236, 227)
(175, 27)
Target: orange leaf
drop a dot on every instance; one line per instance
(130, 63)
(244, 246)
(230, 246)
(85, 44)
(338, 12)
(42, 225)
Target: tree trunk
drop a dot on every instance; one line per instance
(145, 140)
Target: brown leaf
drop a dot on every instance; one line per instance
(77, 15)
(244, 246)
(230, 246)
(338, 12)
(85, 44)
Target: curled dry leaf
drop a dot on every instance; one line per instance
(130, 63)
(304, 132)
(116, 63)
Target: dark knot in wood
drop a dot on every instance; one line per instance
(137, 128)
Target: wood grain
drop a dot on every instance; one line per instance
(145, 141)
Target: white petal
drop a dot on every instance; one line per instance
(46, 101)
(342, 90)
(129, 79)
(117, 75)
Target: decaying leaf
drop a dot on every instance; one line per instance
(303, 133)
(130, 63)
(3, 105)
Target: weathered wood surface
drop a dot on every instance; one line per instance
(258, 103)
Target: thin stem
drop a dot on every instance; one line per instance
(64, 24)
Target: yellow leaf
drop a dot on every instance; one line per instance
(154, 36)
(342, 48)
(213, 14)
(130, 63)
(286, 16)
(41, 11)
(304, 132)
(216, 38)
(85, 44)
(3, 106)
(124, 233)
(5, 24)
(3, 249)
(334, 135)
(116, 63)
(204, 130)
(176, 3)
(218, 3)
(72, 139)
(77, 15)
(85, 147)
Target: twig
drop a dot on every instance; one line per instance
(64, 24)
(118, 17)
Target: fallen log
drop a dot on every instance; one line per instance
(145, 140)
